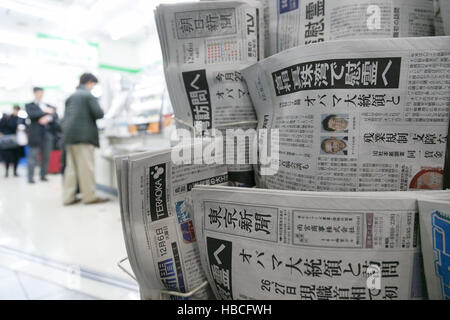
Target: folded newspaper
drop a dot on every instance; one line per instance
(298, 22)
(435, 235)
(356, 115)
(158, 229)
(205, 46)
(266, 244)
(121, 163)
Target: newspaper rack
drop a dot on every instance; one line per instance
(163, 292)
(121, 267)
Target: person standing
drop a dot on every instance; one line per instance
(8, 126)
(80, 136)
(40, 137)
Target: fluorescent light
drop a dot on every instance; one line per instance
(48, 13)
(125, 25)
(75, 19)
(18, 39)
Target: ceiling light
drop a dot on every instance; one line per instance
(126, 25)
(48, 13)
(18, 39)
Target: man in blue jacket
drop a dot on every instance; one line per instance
(80, 135)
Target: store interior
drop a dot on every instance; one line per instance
(48, 251)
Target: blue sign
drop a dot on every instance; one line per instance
(441, 245)
(288, 5)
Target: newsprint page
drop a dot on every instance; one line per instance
(261, 244)
(356, 115)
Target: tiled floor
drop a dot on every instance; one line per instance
(48, 251)
(20, 286)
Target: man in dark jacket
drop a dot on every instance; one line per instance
(40, 138)
(80, 135)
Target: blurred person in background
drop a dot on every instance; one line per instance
(80, 136)
(8, 126)
(40, 137)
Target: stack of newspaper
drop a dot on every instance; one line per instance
(356, 115)
(265, 244)
(205, 46)
(157, 226)
(348, 118)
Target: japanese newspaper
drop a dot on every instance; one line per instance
(205, 46)
(158, 229)
(297, 22)
(121, 164)
(265, 244)
(266, 17)
(356, 115)
(435, 235)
